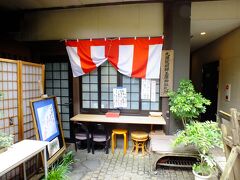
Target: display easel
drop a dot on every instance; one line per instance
(47, 124)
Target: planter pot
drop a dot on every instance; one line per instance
(199, 177)
(3, 149)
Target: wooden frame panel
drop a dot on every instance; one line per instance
(9, 119)
(29, 90)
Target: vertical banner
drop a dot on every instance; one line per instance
(146, 89)
(119, 97)
(166, 79)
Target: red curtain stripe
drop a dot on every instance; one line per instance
(130, 56)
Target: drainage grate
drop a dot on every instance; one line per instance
(176, 161)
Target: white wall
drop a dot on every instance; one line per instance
(95, 22)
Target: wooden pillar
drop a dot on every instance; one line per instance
(176, 37)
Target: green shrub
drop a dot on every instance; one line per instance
(60, 170)
(204, 136)
(186, 104)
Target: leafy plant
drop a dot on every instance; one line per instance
(5, 140)
(204, 136)
(60, 170)
(186, 103)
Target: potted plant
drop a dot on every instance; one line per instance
(204, 136)
(186, 104)
(5, 141)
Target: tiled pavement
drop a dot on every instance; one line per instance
(108, 166)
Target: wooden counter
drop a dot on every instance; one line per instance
(120, 119)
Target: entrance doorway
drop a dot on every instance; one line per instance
(210, 89)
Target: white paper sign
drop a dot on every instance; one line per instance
(119, 97)
(53, 147)
(153, 91)
(145, 90)
(47, 121)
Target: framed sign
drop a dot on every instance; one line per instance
(47, 124)
(166, 79)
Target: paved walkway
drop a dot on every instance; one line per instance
(109, 167)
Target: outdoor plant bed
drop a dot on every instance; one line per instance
(204, 136)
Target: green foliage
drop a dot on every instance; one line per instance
(58, 172)
(5, 140)
(204, 136)
(61, 169)
(186, 103)
(202, 169)
(68, 158)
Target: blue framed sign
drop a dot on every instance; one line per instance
(46, 119)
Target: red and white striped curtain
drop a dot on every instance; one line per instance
(133, 57)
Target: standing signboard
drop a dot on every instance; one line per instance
(48, 126)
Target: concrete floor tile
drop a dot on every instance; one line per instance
(117, 166)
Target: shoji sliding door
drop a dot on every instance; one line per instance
(19, 85)
(9, 115)
(31, 74)
(9, 119)
(58, 84)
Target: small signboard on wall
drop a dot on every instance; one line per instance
(46, 120)
(119, 97)
(166, 79)
(148, 90)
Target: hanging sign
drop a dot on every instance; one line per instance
(166, 79)
(146, 89)
(119, 97)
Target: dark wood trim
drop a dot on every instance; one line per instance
(93, 5)
(106, 4)
(99, 89)
(70, 98)
(80, 92)
(140, 93)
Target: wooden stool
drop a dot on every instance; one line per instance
(114, 139)
(139, 139)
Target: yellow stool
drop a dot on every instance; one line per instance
(139, 139)
(114, 139)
